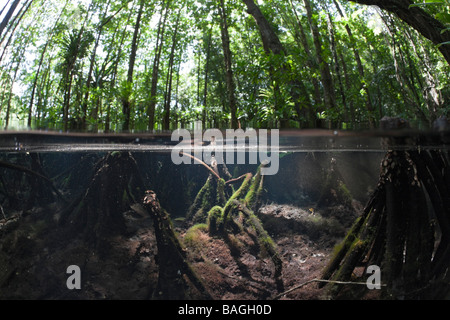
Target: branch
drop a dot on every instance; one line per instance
(236, 179)
(202, 163)
(29, 171)
(107, 20)
(319, 280)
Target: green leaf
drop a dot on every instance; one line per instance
(443, 43)
(443, 16)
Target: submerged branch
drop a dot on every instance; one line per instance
(202, 163)
(172, 260)
(29, 171)
(236, 179)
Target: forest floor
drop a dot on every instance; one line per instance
(35, 253)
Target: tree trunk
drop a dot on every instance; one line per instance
(270, 40)
(41, 60)
(14, 26)
(126, 103)
(156, 61)
(205, 88)
(4, 7)
(172, 260)
(327, 80)
(408, 89)
(8, 107)
(272, 44)
(8, 16)
(228, 64)
(114, 75)
(68, 78)
(166, 121)
(67, 95)
(337, 67)
(369, 105)
(427, 79)
(91, 69)
(309, 114)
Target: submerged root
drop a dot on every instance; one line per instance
(98, 212)
(221, 219)
(172, 262)
(398, 227)
(264, 240)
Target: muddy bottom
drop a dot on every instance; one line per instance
(35, 253)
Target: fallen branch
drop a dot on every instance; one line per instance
(278, 296)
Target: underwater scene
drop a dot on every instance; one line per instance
(307, 215)
(220, 152)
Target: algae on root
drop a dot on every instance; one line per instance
(222, 211)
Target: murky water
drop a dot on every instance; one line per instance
(79, 200)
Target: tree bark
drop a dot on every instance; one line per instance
(270, 40)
